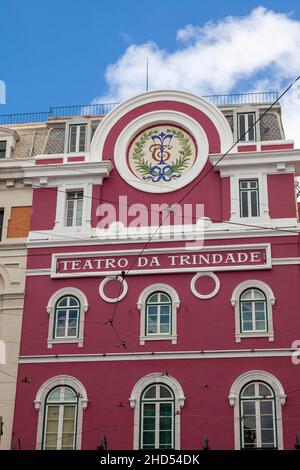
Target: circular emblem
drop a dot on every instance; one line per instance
(162, 155)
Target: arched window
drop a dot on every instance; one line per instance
(257, 398)
(157, 399)
(158, 304)
(159, 314)
(60, 402)
(157, 418)
(60, 417)
(66, 309)
(258, 417)
(67, 317)
(253, 307)
(253, 302)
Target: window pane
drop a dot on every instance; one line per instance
(164, 298)
(249, 408)
(2, 148)
(63, 302)
(247, 326)
(267, 422)
(254, 203)
(82, 138)
(165, 409)
(260, 325)
(241, 119)
(153, 298)
(267, 436)
(165, 309)
(72, 141)
(149, 438)
(249, 391)
(54, 395)
(152, 309)
(164, 392)
(264, 390)
(165, 438)
(244, 204)
(151, 392)
(266, 407)
(251, 132)
(73, 301)
(149, 409)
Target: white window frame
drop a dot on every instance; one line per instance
(66, 291)
(234, 401)
(60, 405)
(39, 404)
(61, 202)
(10, 137)
(67, 308)
(246, 109)
(141, 305)
(270, 302)
(75, 208)
(263, 198)
(78, 122)
(135, 400)
(248, 192)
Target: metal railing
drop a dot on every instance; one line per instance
(243, 98)
(104, 108)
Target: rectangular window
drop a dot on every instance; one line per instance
(3, 148)
(74, 208)
(1, 222)
(249, 198)
(245, 123)
(77, 138)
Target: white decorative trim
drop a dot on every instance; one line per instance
(158, 355)
(141, 304)
(280, 399)
(211, 111)
(113, 299)
(51, 311)
(152, 119)
(77, 121)
(246, 109)
(211, 294)
(270, 298)
(134, 400)
(264, 217)
(57, 256)
(60, 380)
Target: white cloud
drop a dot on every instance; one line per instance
(257, 52)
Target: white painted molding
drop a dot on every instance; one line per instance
(50, 308)
(270, 299)
(234, 394)
(158, 355)
(113, 299)
(153, 119)
(141, 305)
(134, 400)
(212, 293)
(119, 111)
(60, 380)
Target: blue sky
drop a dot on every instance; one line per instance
(57, 53)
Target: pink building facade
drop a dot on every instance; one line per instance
(161, 302)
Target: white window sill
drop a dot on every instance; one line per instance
(254, 334)
(172, 338)
(52, 341)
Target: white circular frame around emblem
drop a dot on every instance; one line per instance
(112, 299)
(157, 118)
(205, 296)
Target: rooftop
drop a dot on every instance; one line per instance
(102, 109)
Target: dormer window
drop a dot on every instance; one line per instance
(246, 128)
(77, 138)
(3, 146)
